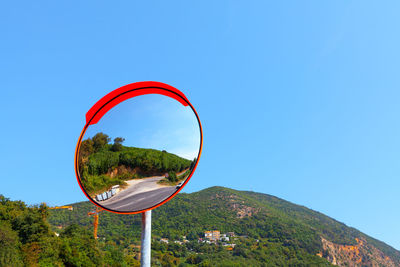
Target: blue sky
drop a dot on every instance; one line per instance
(297, 99)
(152, 121)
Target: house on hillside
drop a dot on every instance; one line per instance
(224, 237)
(212, 235)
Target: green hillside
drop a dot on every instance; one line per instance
(102, 164)
(269, 232)
(26, 239)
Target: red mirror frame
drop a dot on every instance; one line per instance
(119, 95)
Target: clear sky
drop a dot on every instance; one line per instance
(297, 99)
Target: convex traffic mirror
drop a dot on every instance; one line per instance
(139, 147)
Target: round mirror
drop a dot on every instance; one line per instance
(138, 148)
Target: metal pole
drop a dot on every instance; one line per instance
(145, 249)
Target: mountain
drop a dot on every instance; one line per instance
(269, 231)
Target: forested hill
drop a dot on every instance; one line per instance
(102, 164)
(268, 232)
(26, 239)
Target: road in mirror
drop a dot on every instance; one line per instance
(139, 153)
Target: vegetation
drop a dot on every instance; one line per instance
(173, 178)
(26, 239)
(272, 232)
(102, 165)
(287, 234)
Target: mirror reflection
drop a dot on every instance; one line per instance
(139, 154)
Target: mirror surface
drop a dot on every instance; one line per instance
(139, 154)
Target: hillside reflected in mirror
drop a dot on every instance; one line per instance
(139, 154)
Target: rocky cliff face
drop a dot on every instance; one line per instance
(361, 254)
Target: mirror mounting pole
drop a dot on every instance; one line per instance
(145, 249)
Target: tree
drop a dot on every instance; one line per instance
(169, 260)
(193, 163)
(87, 147)
(192, 235)
(172, 176)
(117, 146)
(10, 254)
(100, 140)
(78, 247)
